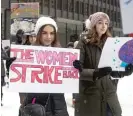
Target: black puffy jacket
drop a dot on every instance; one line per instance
(56, 103)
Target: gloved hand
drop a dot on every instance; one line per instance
(9, 62)
(77, 65)
(12, 59)
(117, 74)
(101, 72)
(128, 71)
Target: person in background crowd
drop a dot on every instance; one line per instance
(7, 51)
(19, 37)
(70, 45)
(74, 38)
(4, 56)
(19, 41)
(97, 93)
(30, 38)
(46, 31)
(75, 44)
(75, 96)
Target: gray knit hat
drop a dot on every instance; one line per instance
(94, 18)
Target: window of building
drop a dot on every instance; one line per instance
(118, 3)
(79, 29)
(71, 29)
(59, 4)
(120, 24)
(81, 8)
(53, 3)
(94, 8)
(65, 5)
(91, 8)
(104, 10)
(13, 1)
(23, 0)
(62, 33)
(101, 9)
(115, 16)
(112, 18)
(77, 7)
(108, 12)
(86, 9)
(71, 5)
(118, 18)
(104, 1)
(108, 1)
(2, 26)
(42, 3)
(112, 2)
(46, 3)
(121, 33)
(97, 8)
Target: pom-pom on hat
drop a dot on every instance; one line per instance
(87, 23)
(44, 21)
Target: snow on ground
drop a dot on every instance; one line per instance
(125, 95)
(11, 103)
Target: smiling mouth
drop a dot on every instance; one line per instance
(102, 30)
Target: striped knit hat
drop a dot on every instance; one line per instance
(94, 18)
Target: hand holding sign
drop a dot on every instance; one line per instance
(117, 53)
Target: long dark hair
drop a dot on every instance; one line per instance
(55, 43)
(27, 42)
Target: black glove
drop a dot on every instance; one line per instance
(117, 74)
(77, 65)
(128, 71)
(9, 62)
(101, 72)
(12, 59)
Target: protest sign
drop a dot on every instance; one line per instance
(25, 24)
(24, 17)
(117, 53)
(24, 10)
(127, 15)
(43, 69)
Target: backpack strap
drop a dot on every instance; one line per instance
(47, 101)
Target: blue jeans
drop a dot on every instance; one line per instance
(109, 113)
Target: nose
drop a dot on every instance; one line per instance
(104, 25)
(49, 36)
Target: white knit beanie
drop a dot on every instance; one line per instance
(44, 21)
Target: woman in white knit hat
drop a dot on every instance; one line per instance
(55, 104)
(97, 93)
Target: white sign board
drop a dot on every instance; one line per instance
(43, 70)
(127, 15)
(117, 53)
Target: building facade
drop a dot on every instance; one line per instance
(70, 15)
